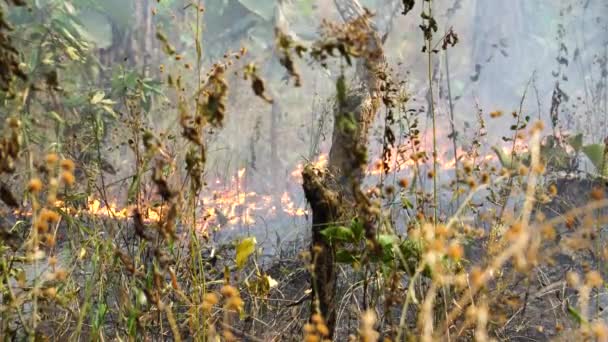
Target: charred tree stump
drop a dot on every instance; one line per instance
(326, 208)
(335, 194)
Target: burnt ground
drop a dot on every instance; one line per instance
(537, 306)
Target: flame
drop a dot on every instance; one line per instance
(231, 204)
(320, 162)
(401, 161)
(289, 207)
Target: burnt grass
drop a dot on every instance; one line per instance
(533, 306)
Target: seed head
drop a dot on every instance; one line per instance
(67, 165)
(553, 190)
(496, 114)
(594, 279)
(51, 159)
(597, 194)
(35, 185)
(455, 251)
(316, 318)
(234, 303)
(229, 291)
(210, 298)
(68, 178)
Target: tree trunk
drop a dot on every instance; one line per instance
(331, 191)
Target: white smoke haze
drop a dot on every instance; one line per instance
(509, 54)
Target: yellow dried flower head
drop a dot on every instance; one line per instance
(323, 329)
(538, 126)
(51, 159)
(316, 318)
(60, 275)
(496, 114)
(67, 178)
(553, 190)
(539, 169)
(229, 336)
(49, 216)
(50, 241)
(206, 307)
(41, 226)
(35, 185)
(597, 194)
(229, 291)
(600, 331)
(50, 292)
(14, 123)
(523, 170)
(455, 251)
(211, 298)
(67, 165)
(514, 231)
(309, 328)
(234, 303)
(548, 232)
(52, 261)
(312, 338)
(477, 277)
(442, 231)
(594, 279)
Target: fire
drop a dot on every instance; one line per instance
(232, 204)
(320, 162)
(290, 208)
(401, 161)
(95, 208)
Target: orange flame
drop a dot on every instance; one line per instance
(231, 204)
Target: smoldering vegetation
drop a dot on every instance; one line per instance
(303, 170)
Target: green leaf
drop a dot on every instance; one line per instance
(357, 228)
(243, 250)
(406, 203)
(99, 318)
(55, 116)
(387, 240)
(411, 251)
(575, 315)
(505, 160)
(338, 233)
(595, 153)
(345, 257)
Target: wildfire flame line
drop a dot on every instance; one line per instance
(231, 205)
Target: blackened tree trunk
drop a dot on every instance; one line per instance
(334, 192)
